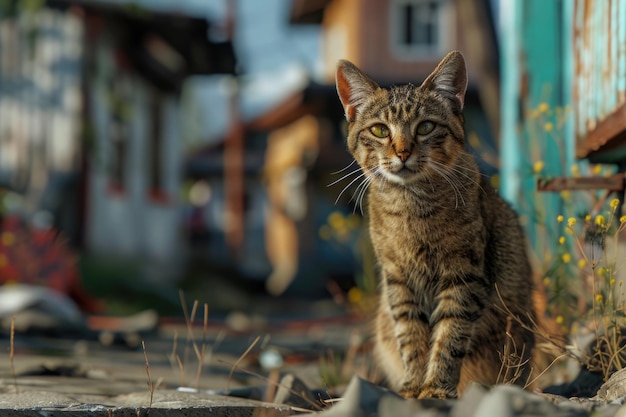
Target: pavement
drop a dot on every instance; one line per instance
(217, 367)
(308, 361)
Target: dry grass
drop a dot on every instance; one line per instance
(12, 355)
(202, 349)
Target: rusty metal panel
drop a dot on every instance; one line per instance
(599, 91)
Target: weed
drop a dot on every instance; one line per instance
(202, 351)
(149, 374)
(238, 361)
(12, 354)
(596, 238)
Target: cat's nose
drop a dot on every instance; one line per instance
(403, 154)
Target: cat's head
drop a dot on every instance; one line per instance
(405, 133)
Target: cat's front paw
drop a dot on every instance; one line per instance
(436, 392)
(409, 392)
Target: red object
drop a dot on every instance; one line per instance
(41, 257)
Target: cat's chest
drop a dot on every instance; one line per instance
(414, 247)
(421, 245)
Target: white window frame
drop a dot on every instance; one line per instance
(441, 19)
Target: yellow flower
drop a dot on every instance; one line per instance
(548, 127)
(473, 140)
(588, 218)
(612, 281)
(336, 220)
(559, 218)
(562, 240)
(566, 258)
(600, 220)
(495, 181)
(538, 167)
(575, 170)
(582, 263)
(355, 295)
(566, 195)
(614, 203)
(597, 169)
(599, 298)
(543, 107)
(571, 222)
(601, 271)
(559, 319)
(622, 219)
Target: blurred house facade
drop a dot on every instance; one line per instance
(91, 124)
(395, 42)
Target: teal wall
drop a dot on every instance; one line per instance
(536, 135)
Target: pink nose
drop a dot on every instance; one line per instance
(403, 154)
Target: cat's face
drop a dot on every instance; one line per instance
(405, 133)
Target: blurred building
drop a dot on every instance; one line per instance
(99, 126)
(90, 119)
(300, 141)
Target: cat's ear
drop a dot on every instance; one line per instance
(449, 79)
(353, 87)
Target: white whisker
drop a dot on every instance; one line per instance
(348, 186)
(362, 188)
(344, 177)
(457, 170)
(343, 169)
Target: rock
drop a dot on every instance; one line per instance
(38, 308)
(614, 388)
(512, 401)
(468, 403)
(361, 398)
(292, 391)
(621, 412)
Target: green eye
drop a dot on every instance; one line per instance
(425, 128)
(380, 130)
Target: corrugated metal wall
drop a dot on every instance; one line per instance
(599, 88)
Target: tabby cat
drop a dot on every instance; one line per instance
(455, 295)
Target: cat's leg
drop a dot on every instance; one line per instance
(460, 303)
(410, 329)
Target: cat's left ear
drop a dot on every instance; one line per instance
(449, 79)
(353, 87)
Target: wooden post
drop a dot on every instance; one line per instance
(234, 184)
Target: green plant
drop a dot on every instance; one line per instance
(597, 240)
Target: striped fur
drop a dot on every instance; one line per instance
(450, 250)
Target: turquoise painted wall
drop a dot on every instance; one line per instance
(536, 137)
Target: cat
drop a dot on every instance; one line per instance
(455, 300)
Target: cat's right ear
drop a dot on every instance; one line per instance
(353, 87)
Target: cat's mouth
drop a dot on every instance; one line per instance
(402, 174)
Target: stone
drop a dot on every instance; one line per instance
(292, 391)
(164, 403)
(614, 388)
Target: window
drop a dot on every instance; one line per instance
(416, 28)
(120, 114)
(156, 167)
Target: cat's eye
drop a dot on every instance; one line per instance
(380, 130)
(425, 128)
